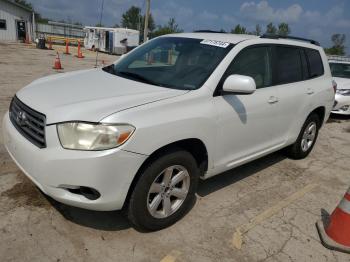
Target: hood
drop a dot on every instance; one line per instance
(89, 95)
(342, 83)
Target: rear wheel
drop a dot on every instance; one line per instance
(164, 192)
(306, 139)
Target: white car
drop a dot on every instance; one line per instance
(341, 74)
(138, 134)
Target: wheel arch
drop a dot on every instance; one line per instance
(194, 146)
(320, 112)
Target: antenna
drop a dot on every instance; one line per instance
(99, 34)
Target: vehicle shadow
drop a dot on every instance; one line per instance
(234, 175)
(117, 221)
(338, 118)
(101, 220)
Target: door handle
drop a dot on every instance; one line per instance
(309, 91)
(272, 100)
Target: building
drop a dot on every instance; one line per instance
(16, 21)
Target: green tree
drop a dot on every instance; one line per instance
(99, 25)
(271, 29)
(239, 30)
(24, 3)
(40, 19)
(283, 29)
(133, 19)
(258, 30)
(338, 47)
(170, 28)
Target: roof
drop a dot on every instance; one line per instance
(224, 37)
(115, 29)
(19, 5)
(236, 38)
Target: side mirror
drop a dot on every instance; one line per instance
(239, 84)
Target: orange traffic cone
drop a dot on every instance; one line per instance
(336, 233)
(57, 64)
(67, 48)
(50, 44)
(170, 57)
(27, 39)
(150, 58)
(80, 54)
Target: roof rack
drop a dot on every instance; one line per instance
(271, 36)
(208, 31)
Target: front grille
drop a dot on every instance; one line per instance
(30, 123)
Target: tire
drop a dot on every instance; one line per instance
(299, 149)
(146, 210)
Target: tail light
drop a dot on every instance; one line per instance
(334, 84)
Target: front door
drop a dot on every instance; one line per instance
(247, 123)
(21, 30)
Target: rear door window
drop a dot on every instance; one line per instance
(315, 63)
(288, 65)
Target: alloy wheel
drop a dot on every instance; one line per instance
(168, 191)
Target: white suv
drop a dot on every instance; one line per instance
(340, 68)
(138, 134)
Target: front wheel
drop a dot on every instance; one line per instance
(165, 191)
(306, 139)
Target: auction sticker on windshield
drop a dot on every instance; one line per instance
(215, 43)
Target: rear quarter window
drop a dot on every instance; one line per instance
(315, 63)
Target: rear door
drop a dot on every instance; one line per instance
(294, 91)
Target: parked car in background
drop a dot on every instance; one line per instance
(138, 134)
(340, 68)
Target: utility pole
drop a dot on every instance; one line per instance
(145, 30)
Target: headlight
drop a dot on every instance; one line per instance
(344, 92)
(85, 136)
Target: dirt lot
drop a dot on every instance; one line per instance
(274, 202)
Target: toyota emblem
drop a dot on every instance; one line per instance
(21, 118)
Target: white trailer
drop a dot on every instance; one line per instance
(112, 40)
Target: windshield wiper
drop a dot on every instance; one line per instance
(138, 77)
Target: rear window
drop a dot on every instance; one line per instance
(340, 70)
(288, 65)
(315, 63)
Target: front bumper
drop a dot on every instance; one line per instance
(342, 105)
(52, 169)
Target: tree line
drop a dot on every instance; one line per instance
(134, 19)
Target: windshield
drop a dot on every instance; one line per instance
(173, 62)
(340, 70)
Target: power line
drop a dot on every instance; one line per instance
(99, 34)
(145, 32)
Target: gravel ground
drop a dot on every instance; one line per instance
(273, 201)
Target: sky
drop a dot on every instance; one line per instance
(316, 19)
